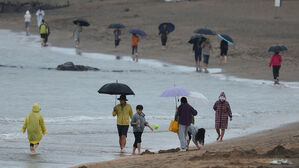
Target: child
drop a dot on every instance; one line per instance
(35, 125)
(138, 122)
(197, 135)
(275, 63)
(135, 40)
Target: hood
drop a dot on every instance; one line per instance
(27, 12)
(222, 95)
(35, 108)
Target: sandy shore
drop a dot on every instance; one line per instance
(254, 151)
(251, 23)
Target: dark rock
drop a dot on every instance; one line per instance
(69, 66)
(127, 9)
(147, 152)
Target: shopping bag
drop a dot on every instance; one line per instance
(174, 126)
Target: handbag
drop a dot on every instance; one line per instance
(174, 126)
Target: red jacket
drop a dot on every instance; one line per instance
(275, 60)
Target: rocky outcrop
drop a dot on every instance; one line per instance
(69, 66)
(32, 5)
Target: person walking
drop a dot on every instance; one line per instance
(275, 62)
(197, 53)
(223, 51)
(206, 51)
(135, 40)
(27, 17)
(185, 113)
(124, 112)
(44, 31)
(138, 122)
(35, 126)
(117, 34)
(39, 16)
(222, 112)
(76, 34)
(163, 33)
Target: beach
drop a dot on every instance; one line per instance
(251, 24)
(260, 132)
(254, 151)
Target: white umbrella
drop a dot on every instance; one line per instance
(197, 98)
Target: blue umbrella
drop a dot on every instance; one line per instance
(137, 31)
(116, 26)
(226, 38)
(205, 31)
(170, 27)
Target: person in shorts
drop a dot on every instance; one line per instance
(27, 17)
(124, 112)
(138, 123)
(223, 51)
(206, 51)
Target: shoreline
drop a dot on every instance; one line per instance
(251, 150)
(248, 58)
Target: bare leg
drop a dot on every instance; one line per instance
(120, 143)
(77, 44)
(136, 56)
(218, 132)
(222, 134)
(123, 142)
(139, 148)
(133, 152)
(206, 67)
(225, 59)
(188, 142)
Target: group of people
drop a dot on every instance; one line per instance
(202, 48)
(36, 128)
(43, 27)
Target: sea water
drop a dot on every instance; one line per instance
(79, 120)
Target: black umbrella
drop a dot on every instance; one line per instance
(196, 38)
(277, 48)
(116, 89)
(137, 31)
(205, 31)
(82, 22)
(226, 38)
(116, 26)
(170, 27)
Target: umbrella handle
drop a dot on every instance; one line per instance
(115, 101)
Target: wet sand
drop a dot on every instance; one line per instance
(254, 151)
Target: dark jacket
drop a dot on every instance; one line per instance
(223, 45)
(185, 113)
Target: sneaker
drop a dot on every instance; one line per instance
(206, 71)
(182, 150)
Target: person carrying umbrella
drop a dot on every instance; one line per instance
(185, 113)
(76, 34)
(206, 51)
(124, 112)
(163, 33)
(35, 126)
(117, 34)
(223, 51)
(275, 63)
(135, 40)
(222, 112)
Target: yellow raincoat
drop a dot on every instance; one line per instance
(123, 114)
(35, 125)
